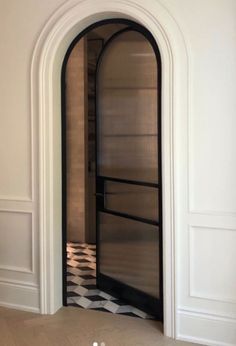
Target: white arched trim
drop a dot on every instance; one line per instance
(63, 26)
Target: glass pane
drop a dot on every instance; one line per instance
(136, 200)
(129, 252)
(127, 109)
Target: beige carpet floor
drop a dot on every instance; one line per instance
(78, 327)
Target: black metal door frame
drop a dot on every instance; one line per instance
(133, 295)
(100, 186)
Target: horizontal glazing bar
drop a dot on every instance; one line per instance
(130, 88)
(127, 216)
(131, 135)
(126, 181)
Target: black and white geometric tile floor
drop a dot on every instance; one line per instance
(81, 284)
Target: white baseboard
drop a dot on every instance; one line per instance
(20, 297)
(206, 329)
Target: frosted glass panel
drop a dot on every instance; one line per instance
(135, 200)
(129, 252)
(127, 109)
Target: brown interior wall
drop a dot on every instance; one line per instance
(76, 142)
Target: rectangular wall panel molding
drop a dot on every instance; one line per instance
(211, 270)
(17, 174)
(211, 152)
(206, 329)
(16, 239)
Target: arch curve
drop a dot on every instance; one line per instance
(64, 25)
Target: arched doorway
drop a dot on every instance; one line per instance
(47, 58)
(127, 166)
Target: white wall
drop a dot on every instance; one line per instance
(20, 25)
(206, 247)
(206, 274)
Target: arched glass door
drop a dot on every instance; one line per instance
(128, 170)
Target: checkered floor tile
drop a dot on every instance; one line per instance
(81, 284)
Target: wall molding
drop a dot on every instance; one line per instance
(17, 296)
(17, 206)
(14, 210)
(219, 299)
(20, 307)
(207, 314)
(70, 19)
(191, 193)
(17, 269)
(206, 328)
(32, 171)
(32, 264)
(212, 221)
(212, 213)
(15, 199)
(192, 205)
(18, 283)
(193, 293)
